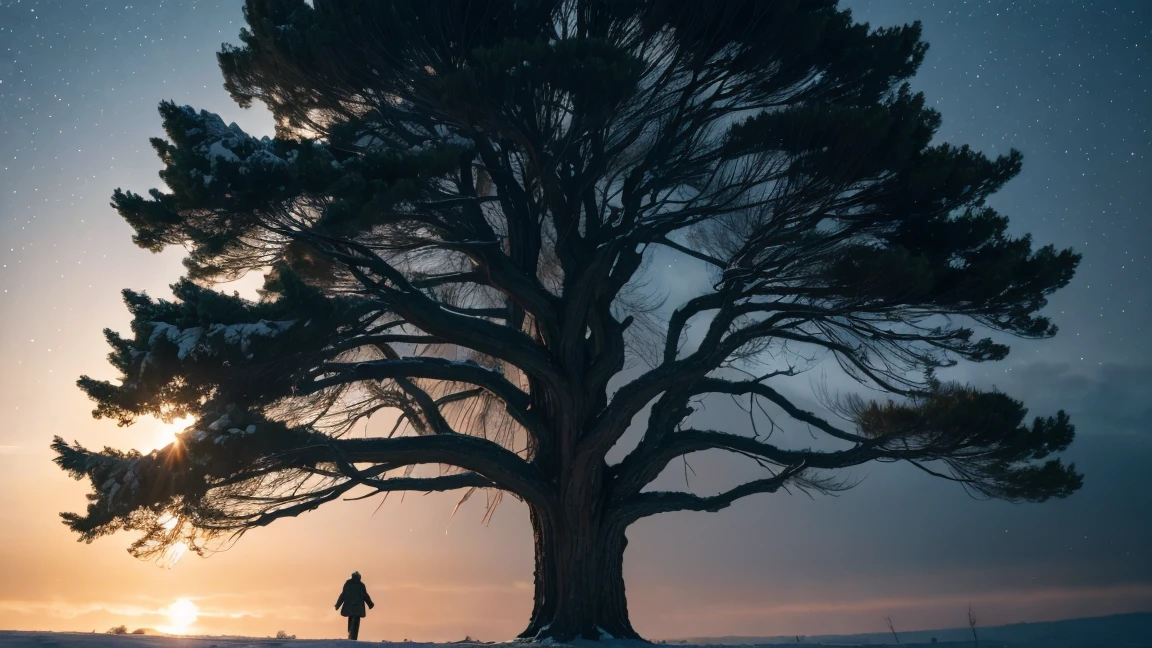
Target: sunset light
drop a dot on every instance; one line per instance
(176, 551)
(166, 432)
(181, 615)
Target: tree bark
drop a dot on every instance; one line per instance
(579, 579)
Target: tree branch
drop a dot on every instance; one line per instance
(434, 281)
(435, 318)
(513, 397)
(431, 484)
(720, 386)
(713, 261)
(647, 461)
(654, 502)
(502, 467)
(264, 519)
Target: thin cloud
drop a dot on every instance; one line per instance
(1109, 398)
(878, 605)
(72, 610)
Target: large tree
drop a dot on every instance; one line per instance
(455, 221)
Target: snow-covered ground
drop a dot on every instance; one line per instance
(13, 639)
(1120, 631)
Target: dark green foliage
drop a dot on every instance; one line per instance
(178, 493)
(204, 345)
(982, 437)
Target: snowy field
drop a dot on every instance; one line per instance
(11, 639)
(1120, 631)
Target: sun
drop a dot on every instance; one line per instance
(182, 614)
(166, 432)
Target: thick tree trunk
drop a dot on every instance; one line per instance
(579, 580)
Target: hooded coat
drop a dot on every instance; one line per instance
(353, 598)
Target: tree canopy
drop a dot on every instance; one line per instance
(455, 222)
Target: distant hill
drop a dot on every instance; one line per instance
(1117, 631)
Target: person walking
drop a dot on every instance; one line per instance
(351, 603)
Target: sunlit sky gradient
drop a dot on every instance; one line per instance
(1067, 83)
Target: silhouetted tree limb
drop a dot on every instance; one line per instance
(655, 502)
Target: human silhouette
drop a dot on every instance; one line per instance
(351, 603)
